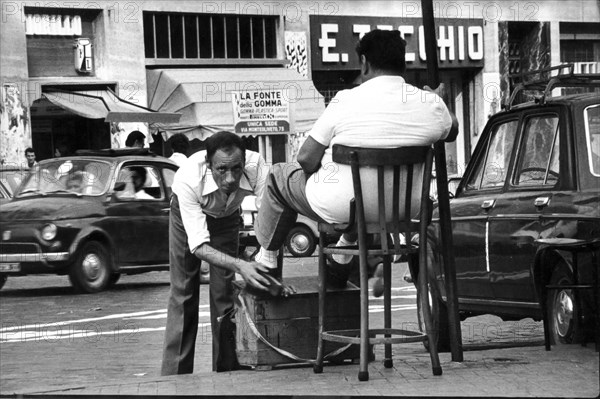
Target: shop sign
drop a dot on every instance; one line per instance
(261, 111)
(334, 38)
(53, 25)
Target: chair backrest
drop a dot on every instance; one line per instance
(402, 176)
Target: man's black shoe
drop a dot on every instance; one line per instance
(336, 273)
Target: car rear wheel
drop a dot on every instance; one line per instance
(90, 272)
(562, 310)
(439, 314)
(300, 242)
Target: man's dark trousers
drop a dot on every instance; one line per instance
(184, 298)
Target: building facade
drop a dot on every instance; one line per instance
(265, 70)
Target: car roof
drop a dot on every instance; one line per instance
(559, 100)
(116, 152)
(116, 155)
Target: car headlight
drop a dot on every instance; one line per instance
(49, 232)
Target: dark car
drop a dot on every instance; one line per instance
(81, 216)
(535, 173)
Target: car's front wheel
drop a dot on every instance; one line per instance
(91, 272)
(562, 310)
(3, 278)
(300, 241)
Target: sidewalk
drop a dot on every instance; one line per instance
(528, 371)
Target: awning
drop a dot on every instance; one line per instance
(105, 104)
(203, 97)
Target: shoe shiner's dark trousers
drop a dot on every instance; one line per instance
(184, 297)
(284, 197)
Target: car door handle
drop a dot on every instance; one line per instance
(488, 204)
(166, 210)
(541, 202)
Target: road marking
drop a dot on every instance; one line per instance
(63, 330)
(380, 298)
(394, 308)
(90, 320)
(118, 335)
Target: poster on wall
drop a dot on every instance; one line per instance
(15, 133)
(261, 112)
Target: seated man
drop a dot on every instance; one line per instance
(134, 178)
(384, 111)
(138, 178)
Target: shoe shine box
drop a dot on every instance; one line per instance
(291, 323)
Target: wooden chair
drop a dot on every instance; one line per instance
(409, 169)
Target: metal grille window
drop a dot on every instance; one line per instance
(209, 36)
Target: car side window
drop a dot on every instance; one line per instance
(491, 170)
(141, 183)
(538, 163)
(592, 129)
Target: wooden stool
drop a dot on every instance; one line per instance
(575, 246)
(407, 168)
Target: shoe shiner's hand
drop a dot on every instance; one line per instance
(253, 273)
(287, 290)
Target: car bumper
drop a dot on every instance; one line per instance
(39, 263)
(30, 258)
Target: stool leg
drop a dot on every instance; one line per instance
(578, 320)
(279, 270)
(424, 288)
(318, 366)
(595, 267)
(544, 306)
(363, 373)
(387, 307)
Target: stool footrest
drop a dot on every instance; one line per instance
(353, 336)
(370, 252)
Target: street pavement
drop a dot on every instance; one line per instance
(565, 371)
(501, 359)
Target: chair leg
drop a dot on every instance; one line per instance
(424, 288)
(579, 319)
(544, 307)
(363, 373)
(318, 366)
(279, 270)
(387, 307)
(595, 267)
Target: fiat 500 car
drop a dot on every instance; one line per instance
(84, 217)
(535, 173)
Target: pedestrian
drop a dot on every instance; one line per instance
(135, 139)
(383, 111)
(61, 150)
(204, 226)
(180, 145)
(30, 157)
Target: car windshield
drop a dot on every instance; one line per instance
(67, 176)
(10, 179)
